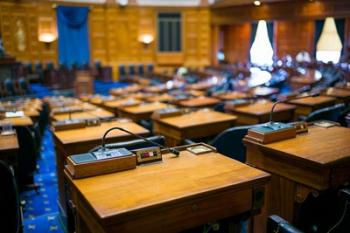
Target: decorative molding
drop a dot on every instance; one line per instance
(82, 1)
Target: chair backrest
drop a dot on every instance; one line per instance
(220, 107)
(332, 113)
(9, 201)
(150, 68)
(23, 85)
(27, 155)
(132, 70)
(121, 70)
(140, 70)
(229, 142)
(44, 117)
(138, 143)
(9, 86)
(278, 224)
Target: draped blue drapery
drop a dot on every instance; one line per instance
(73, 36)
(318, 30)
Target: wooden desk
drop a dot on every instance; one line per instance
(264, 91)
(307, 105)
(19, 121)
(231, 95)
(200, 86)
(310, 163)
(259, 112)
(126, 90)
(113, 106)
(142, 111)
(9, 149)
(342, 95)
(96, 113)
(75, 141)
(199, 102)
(311, 77)
(171, 196)
(165, 98)
(197, 124)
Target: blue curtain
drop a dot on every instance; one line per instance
(270, 32)
(340, 24)
(73, 36)
(318, 30)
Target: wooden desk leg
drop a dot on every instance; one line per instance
(282, 197)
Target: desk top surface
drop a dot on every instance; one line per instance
(264, 91)
(199, 102)
(96, 132)
(313, 101)
(8, 143)
(120, 102)
(231, 95)
(173, 180)
(199, 118)
(145, 108)
(160, 98)
(337, 92)
(262, 108)
(96, 113)
(19, 121)
(320, 146)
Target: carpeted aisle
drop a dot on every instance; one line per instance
(40, 210)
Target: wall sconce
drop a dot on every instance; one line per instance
(47, 32)
(146, 39)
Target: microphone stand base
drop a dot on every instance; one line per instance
(271, 132)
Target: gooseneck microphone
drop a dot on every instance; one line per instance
(170, 149)
(282, 101)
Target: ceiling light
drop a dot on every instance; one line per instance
(257, 3)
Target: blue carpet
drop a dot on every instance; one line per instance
(103, 88)
(40, 90)
(40, 211)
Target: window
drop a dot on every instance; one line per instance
(169, 31)
(329, 45)
(261, 52)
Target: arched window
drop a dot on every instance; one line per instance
(261, 52)
(329, 45)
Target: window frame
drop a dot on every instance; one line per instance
(181, 40)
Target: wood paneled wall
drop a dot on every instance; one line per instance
(114, 33)
(237, 42)
(284, 10)
(294, 24)
(19, 31)
(292, 36)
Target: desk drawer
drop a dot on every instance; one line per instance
(187, 214)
